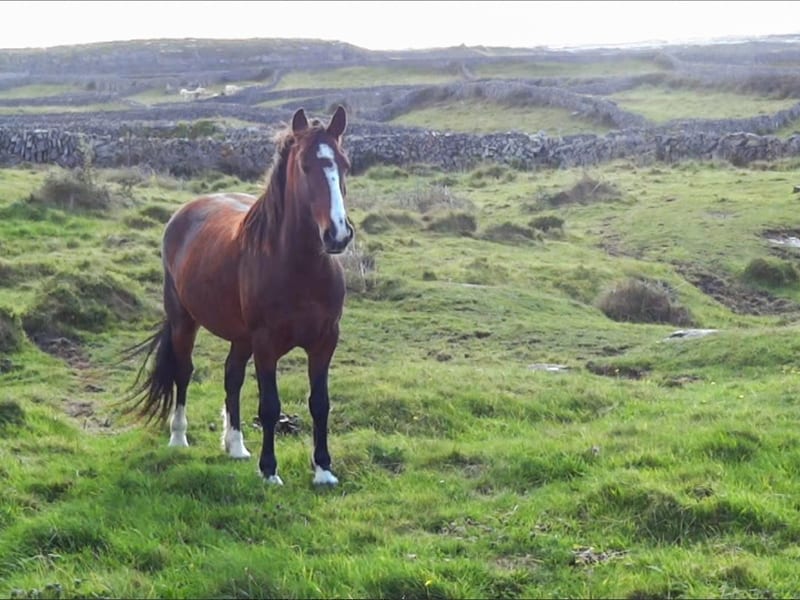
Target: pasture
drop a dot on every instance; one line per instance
(646, 467)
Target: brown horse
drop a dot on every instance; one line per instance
(259, 274)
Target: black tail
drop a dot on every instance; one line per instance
(152, 397)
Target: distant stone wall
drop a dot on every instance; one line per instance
(248, 154)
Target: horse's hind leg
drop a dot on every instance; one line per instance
(183, 330)
(235, 364)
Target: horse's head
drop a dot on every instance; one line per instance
(318, 174)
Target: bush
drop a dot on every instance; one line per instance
(10, 332)
(72, 190)
(456, 222)
(380, 222)
(547, 222)
(585, 191)
(772, 273)
(642, 301)
(359, 268)
(509, 232)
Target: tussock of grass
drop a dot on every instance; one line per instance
(453, 222)
(642, 301)
(587, 190)
(508, 232)
(71, 304)
(11, 334)
(72, 191)
(770, 272)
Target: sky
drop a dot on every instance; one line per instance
(398, 25)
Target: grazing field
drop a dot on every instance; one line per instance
(365, 76)
(530, 69)
(85, 108)
(475, 116)
(644, 466)
(660, 104)
(38, 91)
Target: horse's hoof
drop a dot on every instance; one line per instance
(234, 445)
(178, 440)
(273, 480)
(324, 477)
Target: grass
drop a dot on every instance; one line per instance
(38, 91)
(464, 472)
(661, 104)
(528, 69)
(44, 109)
(475, 116)
(362, 76)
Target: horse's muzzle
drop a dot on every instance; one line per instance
(330, 240)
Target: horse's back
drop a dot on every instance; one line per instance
(201, 253)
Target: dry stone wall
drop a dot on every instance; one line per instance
(247, 154)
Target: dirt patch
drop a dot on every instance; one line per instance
(626, 372)
(736, 296)
(84, 412)
(582, 557)
(64, 348)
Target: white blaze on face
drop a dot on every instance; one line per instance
(338, 214)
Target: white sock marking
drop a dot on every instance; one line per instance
(274, 480)
(324, 477)
(178, 425)
(232, 439)
(338, 213)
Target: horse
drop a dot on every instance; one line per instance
(260, 273)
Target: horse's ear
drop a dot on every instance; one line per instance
(338, 122)
(299, 121)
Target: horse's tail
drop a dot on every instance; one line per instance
(152, 397)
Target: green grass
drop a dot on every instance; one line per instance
(38, 91)
(474, 116)
(360, 76)
(529, 69)
(464, 472)
(660, 104)
(35, 110)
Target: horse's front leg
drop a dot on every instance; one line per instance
(269, 411)
(319, 359)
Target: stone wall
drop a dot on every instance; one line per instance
(247, 154)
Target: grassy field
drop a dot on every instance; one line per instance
(660, 104)
(529, 69)
(646, 468)
(475, 116)
(364, 76)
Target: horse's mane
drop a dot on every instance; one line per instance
(264, 218)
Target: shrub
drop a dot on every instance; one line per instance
(359, 268)
(773, 273)
(426, 199)
(547, 222)
(10, 331)
(455, 222)
(508, 232)
(71, 190)
(380, 222)
(642, 301)
(585, 191)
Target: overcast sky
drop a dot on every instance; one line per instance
(407, 24)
